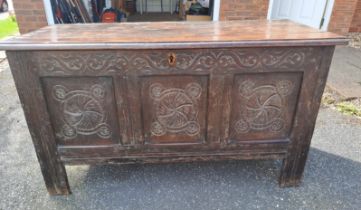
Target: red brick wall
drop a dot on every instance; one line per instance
(30, 14)
(356, 20)
(243, 9)
(342, 14)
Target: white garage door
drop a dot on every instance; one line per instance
(308, 12)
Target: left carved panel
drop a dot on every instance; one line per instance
(82, 110)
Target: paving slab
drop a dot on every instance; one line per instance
(331, 179)
(345, 72)
(4, 15)
(2, 55)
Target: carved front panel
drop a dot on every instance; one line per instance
(82, 110)
(157, 62)
(263, 105)
(174, 109)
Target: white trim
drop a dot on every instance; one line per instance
(270, 7)
(141, 7)
(328, 14)
(108, 4)
(171, 7)
(48, 12)
(216, 9)
(10, 6)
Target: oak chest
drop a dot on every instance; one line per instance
(170, 92)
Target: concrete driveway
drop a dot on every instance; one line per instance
(345, 72)
(332, 178)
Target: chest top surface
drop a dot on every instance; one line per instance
(163, 35)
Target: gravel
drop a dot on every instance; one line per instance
(355, 40)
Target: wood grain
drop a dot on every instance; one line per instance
(162, 35)
(305, 119)
(33, 102)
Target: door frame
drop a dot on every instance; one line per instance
(48, 12)
(216, 10)
(327, 13)
(50, 17)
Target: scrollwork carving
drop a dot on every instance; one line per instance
(71, 62)
(222, 60)
(187, 60)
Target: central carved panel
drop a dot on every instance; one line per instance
(174, 108)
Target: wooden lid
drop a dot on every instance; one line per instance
(165, 35)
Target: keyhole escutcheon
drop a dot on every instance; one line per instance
(172, 60)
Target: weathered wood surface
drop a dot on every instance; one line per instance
(304, 124)
(96, 106)
(34, 106)
(172, 35)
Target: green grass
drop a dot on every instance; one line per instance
(348, 108)
(8, 27)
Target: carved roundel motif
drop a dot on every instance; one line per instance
(284, 87)
(263, 107)
(175, 109)
(82, 111)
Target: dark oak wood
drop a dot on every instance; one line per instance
(91, 99)
(34, 106)
(305, 119)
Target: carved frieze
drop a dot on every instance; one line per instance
(222, 60)
(80, 62)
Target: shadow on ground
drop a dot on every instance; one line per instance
(331, 182)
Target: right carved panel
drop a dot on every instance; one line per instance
(263, 106)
